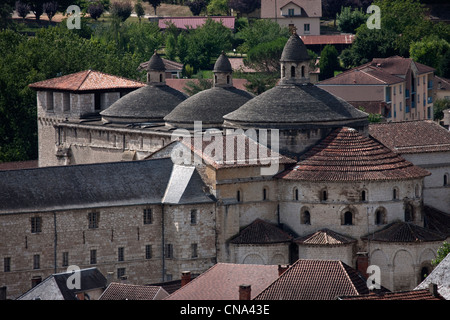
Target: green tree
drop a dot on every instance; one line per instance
(438, 107)
(442, 252)
(329, 62)
(260, 31)
(206, 43)
(265, 57)
(218, 8)
(121, 10)
(139, 9)
(154, 3)
(182, 47)
(171, 46)
(444, 65)
(429, 51)
(349, 20)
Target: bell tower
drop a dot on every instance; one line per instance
(295, 61)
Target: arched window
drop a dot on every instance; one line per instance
(409, 212)
(303, 71)
(380, 216)
(296, 194)
(215, 79)
(292, 72)
(160, 77)
(348, 218)
(228, 79)
(446, 179)
(363, 195)
(424, 272)
(395, 193)
(283, 71)
(323, 195)
(305, 216)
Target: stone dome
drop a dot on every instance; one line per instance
(156, 63)
(294, 50)
(222, 64)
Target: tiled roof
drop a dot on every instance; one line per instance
(347, 155)
(399, 65)
(255, 154)
(378, 107)
(194, 22)
(424, 294)
(439, 276)
(440, 83)
(16, 165)
(328, 39)
(324, 237)
(87, 80)
(315, 280)
(122, 291)
(363, 76)
(400, 231)
(261, 232)
(222, 281)
(421, 136)
(437, 220)
(180, 84)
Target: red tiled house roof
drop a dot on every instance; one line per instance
(261, 232)
(315, 280)
(401, 295)
(222, 281)
(367, 75)
(404, 232)
(421, 136)
(399, 65)
(122, 291)
(347, 155)
(325, 237)
(88, 80)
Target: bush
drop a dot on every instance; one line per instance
(349, 21)
(95, 10)
(121, 10)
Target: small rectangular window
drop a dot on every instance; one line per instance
(148, 216)
(148, 251)
(120, 254)
(306, 27)
(93, 257)
(36, 224)
(49, 100)
(65, 259)
(120, 273)
(7, 264)
(93, 220)
(194, 250)
(36, 261)
(169, 251)
(193, 216)
(97, 102)
(66, 101)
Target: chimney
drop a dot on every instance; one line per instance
(433, 289)
(185, 278)
(362, 263)
(282, 268)
(245, 292)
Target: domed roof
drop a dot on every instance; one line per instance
(222, 64)
(287, 105)
(208, 106)
(146, 104)
(156, 63)
(347, 155)
(294, 50)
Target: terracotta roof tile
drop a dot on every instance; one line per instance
(400, 295)
(122, 291)
(325, 237)
(315, 280)
(399, 65)
(222, 281)
(421, 136)
(87, 80)
(347, 155)
(328, 39)
(367, 75)
(261, 232)
(404, 232)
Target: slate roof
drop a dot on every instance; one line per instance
(401, 231)
(125, 291)
(325, 237)
(439, 276)
(294, 104)
(87, 80)
(168, 64)
(261, 232)
(347, 155)
(156, 63)
(222, 281)
(255, 154)
(222, 64)
(315, 280)
(98, 185)
(180, 84)
(147, 104)
(90, 278)
(424, 294)
(208, 106)
(294, 50)
(420, 136)
(436, 220)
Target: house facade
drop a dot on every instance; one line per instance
(303, 15)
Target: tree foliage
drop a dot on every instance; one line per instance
(22, 9)
(349, 20)
(429, 51)
(95, 10)
(438, 108)
(260, 31)
(196, 6)
(154, 3)
(218, 8)
(265, 57)
(244, 6)
(441, 253)
(121, 10)
(50, 9)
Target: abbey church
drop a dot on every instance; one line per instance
(303, 175)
